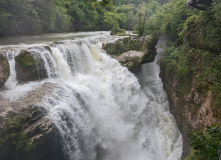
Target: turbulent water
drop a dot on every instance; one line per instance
(99, 107)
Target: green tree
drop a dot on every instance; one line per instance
(113, 20)
(206, 144)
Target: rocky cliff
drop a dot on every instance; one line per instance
(190, 102)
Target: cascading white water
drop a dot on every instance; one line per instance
(100, 108)
(45, 55)
(12, 81)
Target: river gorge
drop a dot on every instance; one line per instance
(83, 104)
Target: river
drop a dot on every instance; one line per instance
(102, 110)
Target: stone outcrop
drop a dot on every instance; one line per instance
(132, 51)
(29, 136)
(4, 70)
(29, 68)
(26, 133)
(192, 109)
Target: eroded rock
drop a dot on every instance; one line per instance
(4, 70)
(29, 135)
(132, 51)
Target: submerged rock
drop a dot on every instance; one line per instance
(29, 68)
(132, 51)
(4, 70)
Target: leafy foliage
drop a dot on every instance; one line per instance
(206, 144)
(39, 16)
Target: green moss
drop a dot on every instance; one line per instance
(117, 31)
(123, 34)
(29, 68)
(109, 48)
(13, 134)
(26, 60)
(119, 47)
(135, 45)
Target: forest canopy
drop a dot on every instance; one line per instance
(45, 16)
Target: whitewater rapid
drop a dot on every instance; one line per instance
(99, 107)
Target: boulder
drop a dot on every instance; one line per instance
(4, 70)
(131, 59)
(29, 68)
(29, 135)
(26, 132)
(123, 45)
(132, 51)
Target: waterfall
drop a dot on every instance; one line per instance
(12, 81)
(49, 63)
(99, 107)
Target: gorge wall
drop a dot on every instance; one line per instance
(191, 90)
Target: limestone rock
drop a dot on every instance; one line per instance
(130, 59)
(4, 70)
(132, 51)
(125, 44)
(29, 68)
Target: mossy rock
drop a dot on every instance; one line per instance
(109, 48)
(135, 44)
(29, 135)
(29, 68)
(4, 70)
(145, 44)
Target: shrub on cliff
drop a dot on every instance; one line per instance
(206, 144)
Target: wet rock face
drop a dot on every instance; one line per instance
(29, 135)
(29, 68)
(4, 70)
(132, 51)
